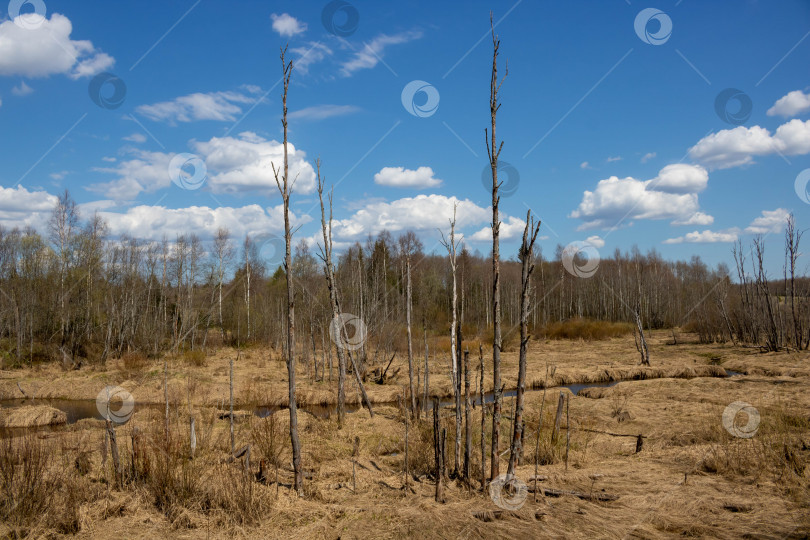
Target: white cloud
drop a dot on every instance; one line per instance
(402, 177)
(312, 53)
(771, 221)
(48, 50)
(109, 159)
(584, 165)
(648, 156)
(792, 104)
(705, 237)
(286, 25)
(371, 53)
(243, 164)
(511, 228)
(234, 165)
(671, 195)
(321, 112)
(146, 172)
(22, 208)
(22, 89)
(221, 106)
(612, 159)
(136, 138)
(420, 213)
(681, 178)
(595, 241)
(153, 222)
(698, 218)
(58, 175)
(738, 146)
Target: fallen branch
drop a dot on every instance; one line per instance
(492, 515)
(600, 497)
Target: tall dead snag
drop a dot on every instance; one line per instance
(526, 256)
(427, 370)
(409, 245)
(493, 152)
(285, 188)
(483, 418)
(558, 419)
(641, 342)
(467, 426)
(451, 246)
(329, 272)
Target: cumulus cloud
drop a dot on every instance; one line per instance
(705, 237)
(792, 104)
(739, 146)
(321, 112)
(48, 50)
(648, 156)
(511, 228)
(286, 25)
(245, 164)
(421, 213)
(595, 241)
(22, 208)
(423, 177)
(771, 221)
(371, 53)
(585, 165)
(145, 172)
(153, 222)
(670, 195)
(221, 106)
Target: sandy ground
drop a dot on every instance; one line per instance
(692, 478)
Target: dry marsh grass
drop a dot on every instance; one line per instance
(692, 478)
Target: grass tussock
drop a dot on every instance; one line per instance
(586, 330)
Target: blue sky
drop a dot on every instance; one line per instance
(612, 126)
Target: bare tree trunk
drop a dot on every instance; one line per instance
(285, 188)
(338, 328)
(527, 267)
(455, 374)
(408, 303)
(233, 449)
(427, 371)
(483, 418)
(494, 151)
(539, 429)
(467, 426)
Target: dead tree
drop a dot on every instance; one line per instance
(483, 418)
(467, 426)
(329, 272)
(494, 151)
(427, 370)
(451, 246)
(526, 256)
(285, 187)
(641, 343)
(558, 418)
(409, 245)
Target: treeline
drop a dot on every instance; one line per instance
(77, 295)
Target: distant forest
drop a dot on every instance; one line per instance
(78, 296)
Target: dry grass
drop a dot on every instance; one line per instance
(31, 416)
(692, 478)
(586, 329)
